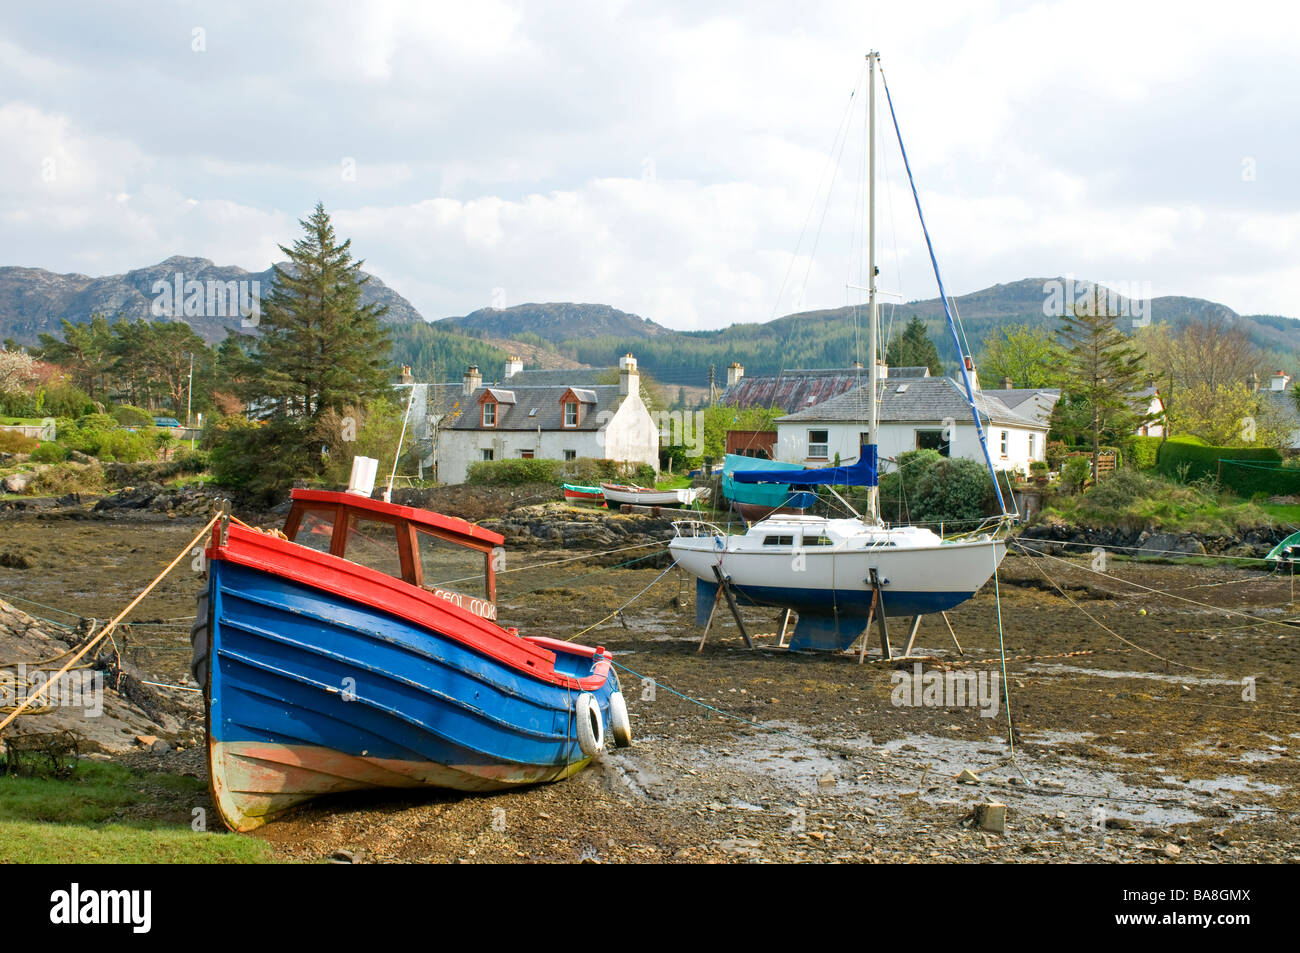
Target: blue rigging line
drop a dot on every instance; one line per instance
(943, 296)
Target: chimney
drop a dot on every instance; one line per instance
(473, 380)
(514, 364)
(629, 380)
(970, 371)
(1007, 384)
(405, 377)
(1279, 380)
(735, 371)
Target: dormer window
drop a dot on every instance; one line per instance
(570, 413)
(489, 413)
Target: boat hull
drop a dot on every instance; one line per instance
(833, 591)
(310, 693)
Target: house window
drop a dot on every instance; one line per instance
(819, 444)
(864, 438)
(570, 454)
(1031, 446)
(487, 454)
(1004, 443)
(489, 414)
(933, 440)
(526, 454)
(570, 414)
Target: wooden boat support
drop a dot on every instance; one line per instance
(724, 592)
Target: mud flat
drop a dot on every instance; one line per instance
(1154, 708)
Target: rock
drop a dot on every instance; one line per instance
(76, 456)
(991, 817)
(17, 482)
(968, 776)
(826, 781)
(1172, 850)
(147, 740)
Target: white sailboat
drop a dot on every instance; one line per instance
(836, 572)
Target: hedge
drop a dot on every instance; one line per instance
(1244, 470)
(1143, 451)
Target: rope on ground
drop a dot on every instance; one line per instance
(1147, 552)
(1106, 628)
(1159, 592)
(108, 629)
(620, 609)
(594, 572)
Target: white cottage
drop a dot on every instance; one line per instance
(915, 413)
(550, 420)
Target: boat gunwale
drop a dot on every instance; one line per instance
(484, 635)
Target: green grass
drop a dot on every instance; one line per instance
(106, 813)
(1131, 500)
(1282, 512)
(22, 421)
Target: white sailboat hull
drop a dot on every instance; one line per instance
(830, 585)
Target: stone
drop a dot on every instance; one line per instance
(991, 817)
(968, 776)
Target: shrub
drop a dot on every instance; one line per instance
(258, 460)
(1056, 451)
(11, 441)
(513, 472)
(50, 452)
(67, 401)
(1075, 472)
(129, 416)
(1038, 467)
(952, 490)
(1142, 452)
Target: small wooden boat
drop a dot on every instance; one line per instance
(648, 496)
(360, 649)
(583, 494)
(753, 512)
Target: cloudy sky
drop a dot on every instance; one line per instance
(663, 158)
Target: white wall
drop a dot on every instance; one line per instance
(628, 435)
(896, 438)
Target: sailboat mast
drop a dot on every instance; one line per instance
(873, 499)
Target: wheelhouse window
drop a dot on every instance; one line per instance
(373, 543)
(570, 413)
(448, 565)
(932, 440)
(489, 413)
(316, 529)
(819, 443)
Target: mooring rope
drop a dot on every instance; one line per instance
(108, 629)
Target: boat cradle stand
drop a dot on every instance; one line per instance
(724, 591)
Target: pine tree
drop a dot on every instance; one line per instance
(914, 348)
(318, 347)
(319, 356)
(1104, 371)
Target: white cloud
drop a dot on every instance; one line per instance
(663, 158)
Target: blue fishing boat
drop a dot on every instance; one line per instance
(360, 649)
(754, 501)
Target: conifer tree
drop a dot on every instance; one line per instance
(914, 348)
(318, 347)
(1103, 371)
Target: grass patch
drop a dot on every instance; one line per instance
(107, 813)
(1133, 500)
(1282, 512)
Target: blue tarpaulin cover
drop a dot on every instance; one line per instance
(861, 473)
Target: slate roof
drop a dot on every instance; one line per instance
(1036, 403)
(546, 401)
(569, 377)
(920, 400)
